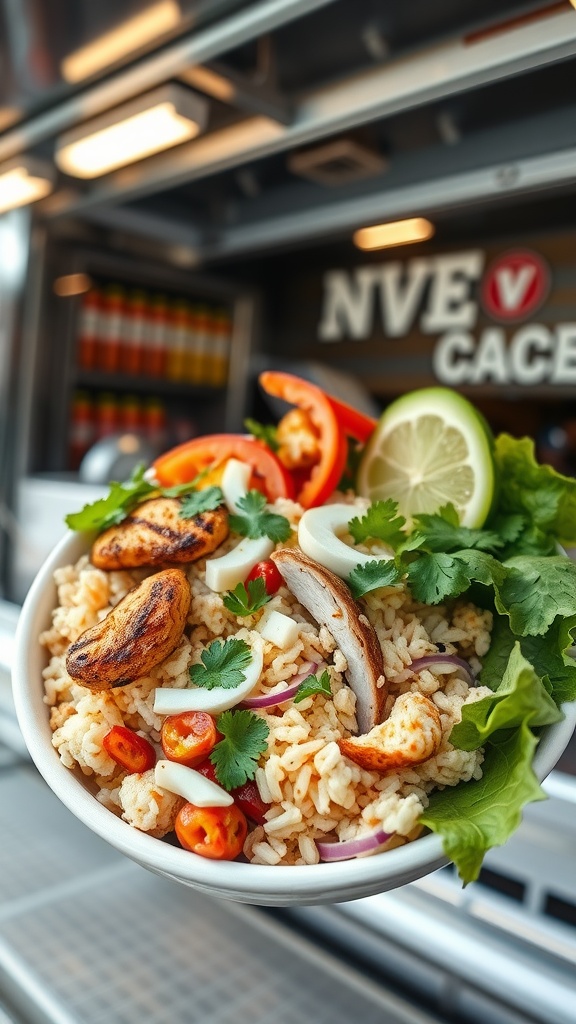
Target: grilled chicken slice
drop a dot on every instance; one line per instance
(330, 602)
(155, 534)
(143, 629)
(410, 735)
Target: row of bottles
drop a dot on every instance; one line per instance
(93, 417)
(130, 331)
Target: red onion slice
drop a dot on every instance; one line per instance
(270, 700)
(449, 660)
(350, 848)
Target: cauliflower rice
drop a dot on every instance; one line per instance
(313, 789)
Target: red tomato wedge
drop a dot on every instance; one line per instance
(354, 424)
(128, 749)
(183, 463)
(268, 572)
(188, 738)
(326, 474)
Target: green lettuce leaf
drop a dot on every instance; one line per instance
(533, 591)
(546, 498)
(520, 697)
(548, 654)
(477, 815)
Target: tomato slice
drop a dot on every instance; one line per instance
(268, 572)
(354, 423)
(128, 749)
(247, 796)
(183, 463)
(326, 474)
(214, 832)
(188, 738)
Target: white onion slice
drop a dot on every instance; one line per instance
(318, 537)
(448, 660)
(235, 483)
(270, 700)
(175, 701)
(350, 848)
(194, 787)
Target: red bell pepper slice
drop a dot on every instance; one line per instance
(354, 423)
(326, 474)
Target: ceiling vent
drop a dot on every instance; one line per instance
(337, 163)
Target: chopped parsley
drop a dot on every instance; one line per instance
(312, 685)
(263, 432)
(235, 757)
(255, 521)
(201, 501)
(247, 599)
(223, 664)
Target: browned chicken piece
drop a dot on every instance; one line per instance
(143, 629)
(410, 735)
(298, 440)
(330, 603)
(155, 534)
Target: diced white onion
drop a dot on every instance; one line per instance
(317, 536)
(169, 701)
(226, 572)
(235, 483)
(191, 785)
(279, 629)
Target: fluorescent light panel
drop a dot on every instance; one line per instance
(398, 232)
(126, 38)
(21, 184)
(159, 120)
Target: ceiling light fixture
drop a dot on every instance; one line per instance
(156, 121)
(397, 232)
(23, 181)
(127, 37)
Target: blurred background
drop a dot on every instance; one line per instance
(378, 196)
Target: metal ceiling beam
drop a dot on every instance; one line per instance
(422, 78)
(427, 197)
(197, 48)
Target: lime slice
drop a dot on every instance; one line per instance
(431, 447)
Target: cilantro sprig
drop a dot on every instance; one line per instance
(223, 664)
(380, 522)
(263, 432)
(201, 501)
(253, 519)
(123, 498)
(373, 575)
(313, 684)
(235, 757)
(247, 598)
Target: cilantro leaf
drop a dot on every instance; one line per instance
(223, 664)
(474, 816)
(544, 497)
(201, 501)
(313, 684)
(247, 599)
(381, 522)
(112, 509)
(235, 757)
(371, 575)
(434, 576)
(535, 590)
(255, 521)
(442, 532)
(264, 432)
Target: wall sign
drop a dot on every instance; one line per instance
(483, 318)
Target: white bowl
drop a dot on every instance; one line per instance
(247, 883)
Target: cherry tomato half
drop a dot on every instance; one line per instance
(247, 796)
(128, 749)
(183, 463)
(188, 738)
(214, 832)
(268, 572)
